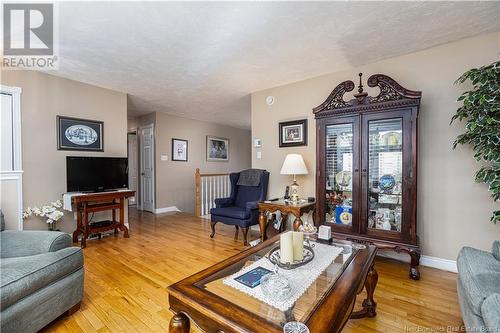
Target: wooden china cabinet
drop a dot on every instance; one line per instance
(367, 166)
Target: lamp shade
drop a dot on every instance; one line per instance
(294, 165)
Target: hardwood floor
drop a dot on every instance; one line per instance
(125, 280)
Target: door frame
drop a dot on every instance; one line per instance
(137, 161)
(16, 174)
(141, 159)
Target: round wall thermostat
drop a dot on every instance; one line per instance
(269, 100)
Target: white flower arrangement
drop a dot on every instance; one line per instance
(51, 212)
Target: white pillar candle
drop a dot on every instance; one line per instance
(298, 246)
(286, 247)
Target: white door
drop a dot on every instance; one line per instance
(133, 159)
(146, 141)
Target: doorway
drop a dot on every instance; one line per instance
(146, 168)
(133, 160)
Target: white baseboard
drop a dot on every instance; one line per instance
(439, 263)
(166, 210)
(428, 261)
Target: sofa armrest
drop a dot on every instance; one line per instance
(252, 205)
(490, 311)
(496, 249)
(223, 202)
(28, 243)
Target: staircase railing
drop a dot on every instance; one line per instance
(210, 186)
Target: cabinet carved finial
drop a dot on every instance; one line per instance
(360, 96)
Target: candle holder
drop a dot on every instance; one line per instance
(274, 257)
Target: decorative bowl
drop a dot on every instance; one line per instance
(274, 257)
(276, 286)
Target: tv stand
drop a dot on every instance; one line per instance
(98, 202)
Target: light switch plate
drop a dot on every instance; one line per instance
(259, 155)
(164, 157)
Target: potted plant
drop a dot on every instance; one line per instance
(481, 112)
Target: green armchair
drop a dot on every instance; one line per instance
(41, 278)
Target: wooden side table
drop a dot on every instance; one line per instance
(285, 207)
(97, 202)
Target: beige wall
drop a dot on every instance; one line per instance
(453, 210)
(43, 97)
(174, 179)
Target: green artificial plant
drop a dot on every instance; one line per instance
(481, 112)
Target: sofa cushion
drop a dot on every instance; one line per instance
(22, 276)
(233, 212)
(496, 249)
(491, 312)
(479, 275)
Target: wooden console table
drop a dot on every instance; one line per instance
(97, 202)
(285, 207)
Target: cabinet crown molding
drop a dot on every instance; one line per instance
(391, 95)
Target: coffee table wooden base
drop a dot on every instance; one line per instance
(369, 304)
(202, 300)
(179, 324)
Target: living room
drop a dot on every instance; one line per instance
(162, 187)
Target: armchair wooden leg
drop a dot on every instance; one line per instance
(245, 234)
(236, 232)
(212, 225)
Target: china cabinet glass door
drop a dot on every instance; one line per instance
(341, 173)
(384, 173)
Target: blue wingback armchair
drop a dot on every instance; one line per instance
(240, 209)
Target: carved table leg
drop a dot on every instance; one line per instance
(284, 222)
(297, 223)
(85, 222)
(415, 261)
(179, 324)
(369, 304)
(122, 219)
(262, 226)
(78, 224)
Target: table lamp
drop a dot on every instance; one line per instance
(294, 165)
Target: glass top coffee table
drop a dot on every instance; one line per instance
(208, 301)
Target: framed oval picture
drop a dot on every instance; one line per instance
(79, 134)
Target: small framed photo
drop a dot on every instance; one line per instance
(293, 133)
(179, 150)
(79, 134)
(217, 149)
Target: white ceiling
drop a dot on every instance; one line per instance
(202, 59)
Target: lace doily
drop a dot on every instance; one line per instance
(300, 278)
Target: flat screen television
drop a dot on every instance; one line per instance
(96, 174)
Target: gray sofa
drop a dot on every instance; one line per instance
(479, 288)
(41, 278)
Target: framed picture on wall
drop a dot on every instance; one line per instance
(179, 150)
(217, 149)
(79, 134)
(293, 133)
